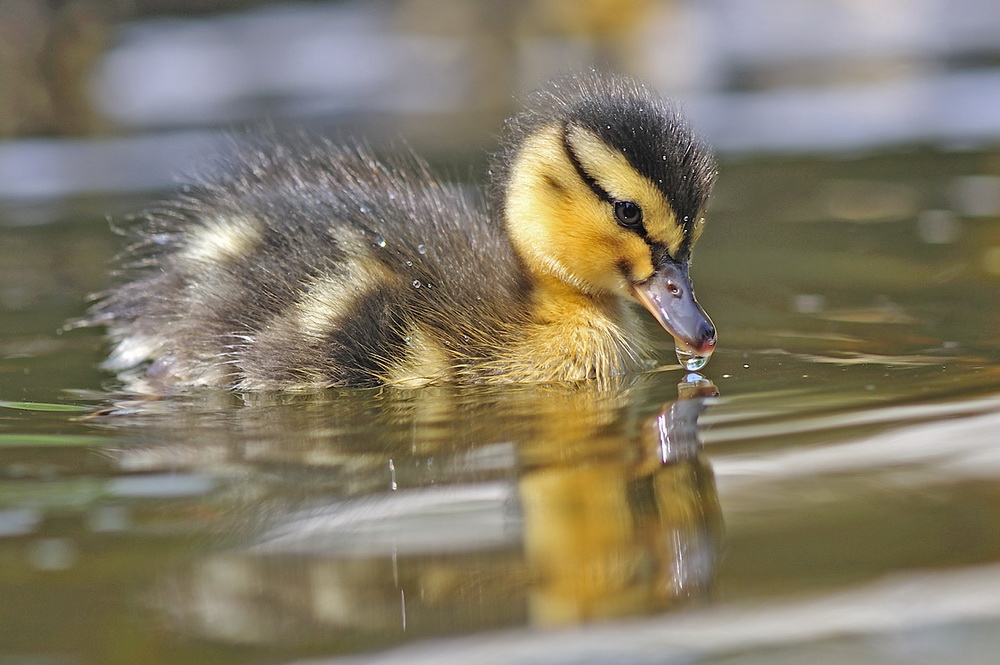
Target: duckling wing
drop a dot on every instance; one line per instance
(302, 264)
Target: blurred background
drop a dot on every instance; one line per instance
(107, 95)
(851, 264)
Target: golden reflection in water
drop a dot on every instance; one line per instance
(538, 506)
(625, 534)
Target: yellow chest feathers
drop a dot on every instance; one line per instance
(575, 337)
(569, 338)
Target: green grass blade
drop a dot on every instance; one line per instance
(49, 440)
(42, 406)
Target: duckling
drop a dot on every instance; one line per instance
(301, 264)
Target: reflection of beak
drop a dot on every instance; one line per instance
(668, 296)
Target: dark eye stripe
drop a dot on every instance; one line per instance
(658, 252)
(598, 191)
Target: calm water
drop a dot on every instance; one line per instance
(826, 491)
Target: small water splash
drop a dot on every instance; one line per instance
(380, 241)
(690, 360)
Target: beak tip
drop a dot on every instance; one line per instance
(702, 347)
(708, 339)
(703, 343)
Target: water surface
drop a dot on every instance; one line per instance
(826, 489)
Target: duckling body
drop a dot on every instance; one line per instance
(303, 265)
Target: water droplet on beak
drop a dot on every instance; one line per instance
(690, 360)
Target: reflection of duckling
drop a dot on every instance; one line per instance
(623, 528)
(548, 504)
(305, 265)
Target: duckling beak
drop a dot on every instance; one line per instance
(669, 297)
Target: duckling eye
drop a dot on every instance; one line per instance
(628, 214)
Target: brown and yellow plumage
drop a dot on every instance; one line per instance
(303, 265)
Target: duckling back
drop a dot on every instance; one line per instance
(305, 265)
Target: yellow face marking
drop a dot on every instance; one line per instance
(618, 178)
(541, 183)
(222, 239)
(563, 230)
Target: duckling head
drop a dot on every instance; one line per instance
(602, 186)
